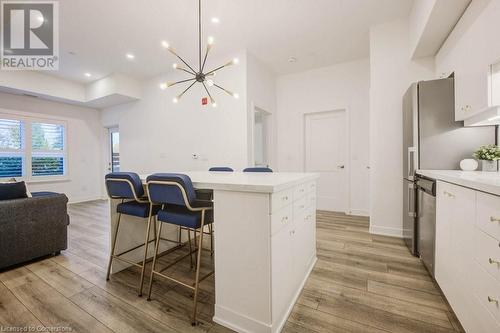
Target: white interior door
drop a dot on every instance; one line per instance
(326, 150)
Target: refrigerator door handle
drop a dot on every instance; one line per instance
(411, 163)
(411, 203)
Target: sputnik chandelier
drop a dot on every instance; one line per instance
(198, 76)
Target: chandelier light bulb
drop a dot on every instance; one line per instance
(163, 86)
(175, 100)
(236, 61)
(165, 44)
(175, 66)
(210, 83)
(214, 104)
(236, 95)
(211, 40)
(215, 20)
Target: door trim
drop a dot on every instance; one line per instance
(347, 125)
(250, 135)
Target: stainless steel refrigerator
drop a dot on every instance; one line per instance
(433, 140)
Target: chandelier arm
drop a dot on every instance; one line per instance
(205, 59)
(185, 90)
(182, 81)
(199, 33)
(223, 89)
(208, 92)
(180, 58)
(215, 70)
(185, 70)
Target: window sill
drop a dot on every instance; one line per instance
(48, 180)
(39, 180)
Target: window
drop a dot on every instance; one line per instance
(115, 150)
(11, 148)
(32, 149)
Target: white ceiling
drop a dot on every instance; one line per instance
(316, 32)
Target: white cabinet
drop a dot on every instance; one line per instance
(293, 247)
(471, 91)
(463, 270)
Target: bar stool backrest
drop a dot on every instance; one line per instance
(257, 169)
(226, 169)
(171, 188)
(124, 185)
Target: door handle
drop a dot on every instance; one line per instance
(411, 190)
(411, 161)
(341, 166)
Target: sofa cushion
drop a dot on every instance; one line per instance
(11, 191)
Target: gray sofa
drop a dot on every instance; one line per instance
(32, 227)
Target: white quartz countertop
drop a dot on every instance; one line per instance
(246, 181)
(488, 182)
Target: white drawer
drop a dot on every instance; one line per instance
(311, 199)
(300, 191)
(488, 214)
(281, 199)
(311, 186)
(487, 253)
(281, 218)
(299, 206)
(487, 290)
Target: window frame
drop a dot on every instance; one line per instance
(26, 151)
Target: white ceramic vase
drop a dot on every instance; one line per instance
(491, 166)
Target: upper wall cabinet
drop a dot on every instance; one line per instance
(477, 96)
(471, 91)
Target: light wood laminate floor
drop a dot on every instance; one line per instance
(361, 283)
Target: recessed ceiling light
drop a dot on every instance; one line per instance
(292, 59)
(130, 56)
(88, 74)
(215, 20)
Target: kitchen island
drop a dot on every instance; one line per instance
(265, 244)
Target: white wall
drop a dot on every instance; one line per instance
(83, 144)
(391, 73)
(159, 136)
(340, 86)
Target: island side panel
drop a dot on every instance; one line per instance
(242, 260)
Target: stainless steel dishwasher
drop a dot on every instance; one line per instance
(426, 221)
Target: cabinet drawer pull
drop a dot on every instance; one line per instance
(448, 194)
(494, 219)
(492, 300)
(284, 219)
(302, 190)
(493, 261)
(292, 232)
(284, 198)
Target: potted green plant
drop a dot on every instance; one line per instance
(489, 156)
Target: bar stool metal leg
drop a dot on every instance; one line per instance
(157, 245)
(190, 248)
(211, 230)
(146, 244)
(113, 244)
(198, 261)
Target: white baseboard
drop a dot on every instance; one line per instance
(84, 199)
(359, 212)
(386, 231)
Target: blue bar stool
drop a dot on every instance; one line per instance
(258, 169)
(222, 169)
(127, 187)
(176, 194)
